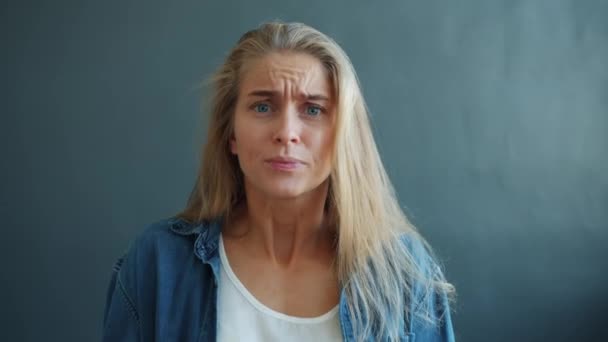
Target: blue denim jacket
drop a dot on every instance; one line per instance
(165, 288)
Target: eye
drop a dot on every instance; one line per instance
(261, 108)
(313, 110)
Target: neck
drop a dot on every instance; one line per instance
(287, 230)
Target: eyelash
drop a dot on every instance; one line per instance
(321, 108)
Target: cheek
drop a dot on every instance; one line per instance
(322, 148)
(242, 136)
(246, 145)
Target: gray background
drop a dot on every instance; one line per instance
(491, 116)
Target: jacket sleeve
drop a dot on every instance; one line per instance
(120, 320)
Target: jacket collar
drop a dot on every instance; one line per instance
(207, 235)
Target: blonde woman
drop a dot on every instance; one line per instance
(293, 231)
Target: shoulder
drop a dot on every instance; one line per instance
(164, 232)
(162, 250)
(420, 252)
(163, 257)
(170, 235)
(425, 262)
(156, 239)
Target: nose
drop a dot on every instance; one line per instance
(288, 127)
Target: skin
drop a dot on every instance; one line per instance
(278, 242)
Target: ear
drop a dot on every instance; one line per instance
(233, 145)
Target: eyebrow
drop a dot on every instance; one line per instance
(272, 93)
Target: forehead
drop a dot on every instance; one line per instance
(286, 71)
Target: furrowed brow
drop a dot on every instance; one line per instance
(316, 97)
(263, 93)
(272, 94)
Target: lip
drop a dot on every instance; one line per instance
(284, 163)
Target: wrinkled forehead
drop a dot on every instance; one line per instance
(288, 73)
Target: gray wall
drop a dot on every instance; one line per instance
(491, 116)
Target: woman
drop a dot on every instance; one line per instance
(293, 231)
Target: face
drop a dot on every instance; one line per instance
(284, 124)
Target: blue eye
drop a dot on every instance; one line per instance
(262, 108)
(313, 110)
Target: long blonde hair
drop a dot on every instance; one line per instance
(375, 268)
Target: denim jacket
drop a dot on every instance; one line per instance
(165, 289)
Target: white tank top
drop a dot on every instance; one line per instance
(241, 317)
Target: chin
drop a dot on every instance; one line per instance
(285, 193)
(282, 188)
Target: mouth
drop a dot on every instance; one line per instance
(284, 163)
